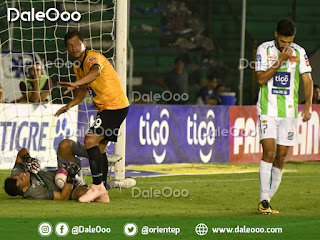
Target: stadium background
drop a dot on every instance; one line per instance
(208, 36)
(153, 42)
(218, 195)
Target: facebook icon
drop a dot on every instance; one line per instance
(62, 229)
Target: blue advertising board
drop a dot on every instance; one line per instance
(160, 134)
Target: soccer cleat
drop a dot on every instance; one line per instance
(94, 192)
(264, 207)
(103, 198)
(125, 183)
(274, 211)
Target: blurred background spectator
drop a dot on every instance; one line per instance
(220, 89)
(36, 87)
(162, 30)
(208, 94)
(316, 95)
(175, 81)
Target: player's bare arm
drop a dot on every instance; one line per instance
(21, 154)
(72, 170)
(162, 84)
(210, 101)
(34, 95)
(264, 77)
(308, 90)
(43, 96)
(65, 193)
(80, 94)
(90, 77)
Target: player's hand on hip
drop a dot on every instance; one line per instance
(62, 110)
(69, 85)
(285, 54)
(306, 113)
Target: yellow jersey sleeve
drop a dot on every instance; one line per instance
(106, 90)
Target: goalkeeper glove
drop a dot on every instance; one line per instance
(72, 170)
(32, 164)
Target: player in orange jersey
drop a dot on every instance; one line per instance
(96, 76)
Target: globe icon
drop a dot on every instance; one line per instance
(201, 229)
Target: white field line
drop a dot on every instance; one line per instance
(209, 173)
(227, 180)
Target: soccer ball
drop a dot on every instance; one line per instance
(61, 178)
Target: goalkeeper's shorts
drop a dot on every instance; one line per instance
(108, 123)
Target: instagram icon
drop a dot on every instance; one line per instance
(45, 229)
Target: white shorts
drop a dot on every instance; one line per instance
(284, 130)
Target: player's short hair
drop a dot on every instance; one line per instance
(71, 34)
(286, 27)
(314, 86)
(10, 186)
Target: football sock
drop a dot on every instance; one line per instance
(276, 175)
(95, 161)
(105, 168)
(265, 175)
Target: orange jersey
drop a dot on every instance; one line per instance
(106, 90)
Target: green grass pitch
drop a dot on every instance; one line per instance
(210, 196)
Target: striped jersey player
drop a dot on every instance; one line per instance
(279, 64)
(279, 96)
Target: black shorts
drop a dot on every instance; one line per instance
(108, 123)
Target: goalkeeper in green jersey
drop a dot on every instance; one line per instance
(279, 64)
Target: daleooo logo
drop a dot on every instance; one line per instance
(52, 15)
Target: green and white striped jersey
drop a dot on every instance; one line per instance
(279, 96)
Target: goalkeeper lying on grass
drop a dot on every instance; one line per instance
(29, 181)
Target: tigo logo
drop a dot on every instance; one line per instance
(201, 133)
(154, 132)
(282, 79)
